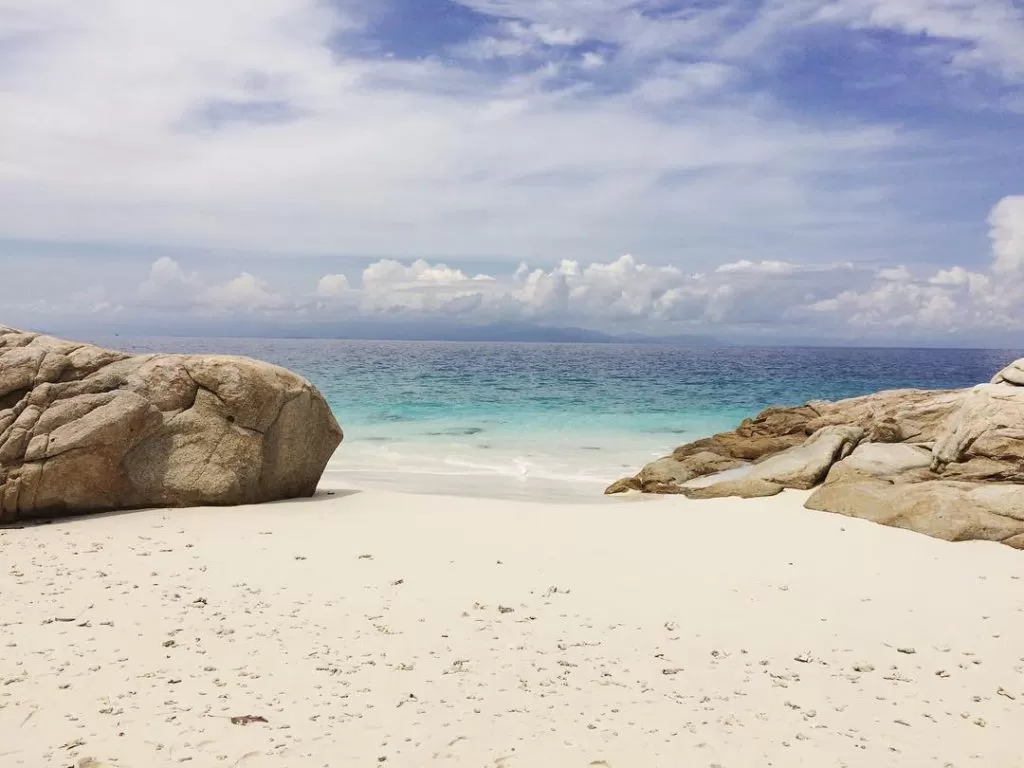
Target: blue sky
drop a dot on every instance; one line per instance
(854, 166)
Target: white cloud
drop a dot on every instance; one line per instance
(982, 34)
(953, 299)
(560, 133)
(759, 267)
(389, 272)
(332, 286)
(244, 292)
(1007, 233)
(988, 34)
(745, 299)
(169, 286)
(898, 274)
(391, 286)
(212, 115)
(168, 283)
(672, 83)
(895, 305)
(976, 282)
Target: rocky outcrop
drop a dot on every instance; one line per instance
(947, 510)
(891, 462)
(743, 487)
(668, 474)
(946, 463)
(896, 416)
(86, 429)
(802, 466)
(985, 439)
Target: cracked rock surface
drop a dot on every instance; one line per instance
(85, 429)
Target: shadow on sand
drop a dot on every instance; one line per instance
(71, 519)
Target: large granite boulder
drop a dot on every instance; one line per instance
(947, 463)
(86, 429)
(948, 510)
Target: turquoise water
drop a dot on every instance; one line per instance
(559, 420)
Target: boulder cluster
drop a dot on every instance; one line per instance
(947, 463)
(86, 429)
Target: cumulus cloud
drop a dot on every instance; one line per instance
(391, 286)
(976, 282)
(244, 292)
(744, 299)
(391, 272)
(332, 286)
(898, 274)
(759, 267)
(169, 286)
(1007, 233)
(953, 299)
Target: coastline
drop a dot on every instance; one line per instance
(645, 632)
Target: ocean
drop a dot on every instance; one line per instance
(558, 421)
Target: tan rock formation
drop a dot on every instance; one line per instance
(985, 439)
(892, 462)
(802, 466)
(663, 475)
(86, 429)
(743, 487)
(904, 415)
(946, 463)
(952, 511)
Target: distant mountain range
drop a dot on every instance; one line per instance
(441, 329)
(435, 330)
(520, 332)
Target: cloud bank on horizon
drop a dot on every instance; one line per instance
(774, 166)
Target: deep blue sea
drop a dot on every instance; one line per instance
(559, 420)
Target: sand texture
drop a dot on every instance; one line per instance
(398, 630)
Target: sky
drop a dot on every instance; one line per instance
(762, 171)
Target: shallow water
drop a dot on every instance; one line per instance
(558, 420)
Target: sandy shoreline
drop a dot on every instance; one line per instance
(654, 632)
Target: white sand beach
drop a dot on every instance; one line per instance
(401, 630)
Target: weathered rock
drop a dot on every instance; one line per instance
(85, 429)
(624, 485)
(665, 475)
(952, 511)
(946, 463)
(802, 466)
(897, 415)
(1011, 374)
(896, 462)
(771, 431)
(985, 438)
(744, 487)
(902, 415)
(806, 465)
